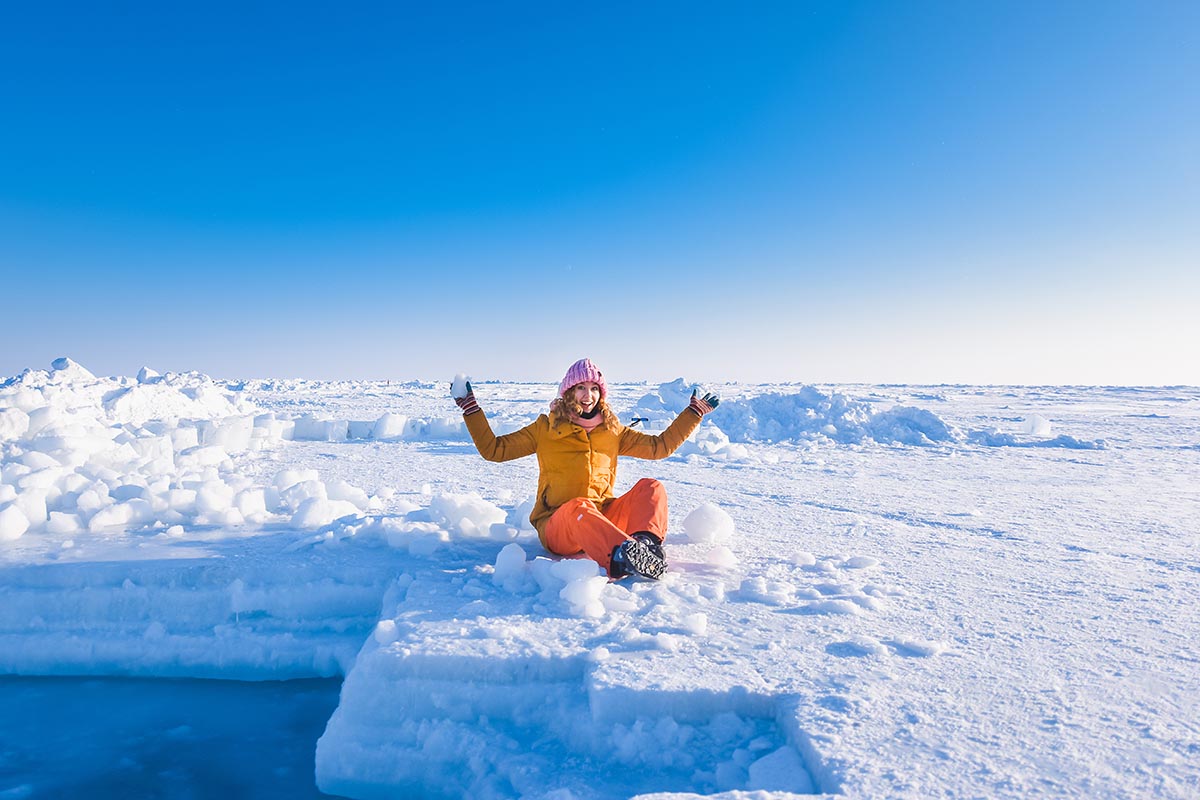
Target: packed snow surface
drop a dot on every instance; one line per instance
(875, 591)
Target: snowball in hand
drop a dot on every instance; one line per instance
(708, 524)
(459, 387)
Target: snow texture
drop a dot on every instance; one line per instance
(875, 592)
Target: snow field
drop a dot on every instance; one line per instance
(989, 613)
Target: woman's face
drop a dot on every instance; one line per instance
(587, 394)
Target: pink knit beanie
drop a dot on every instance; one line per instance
(583, 370)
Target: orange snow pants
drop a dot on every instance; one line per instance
(580, 526)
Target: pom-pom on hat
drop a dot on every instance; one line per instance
(583, 370)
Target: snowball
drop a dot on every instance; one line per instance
(722, 557)
(13, 523)
(1036, 425)
(782, 770)
(458, 387)
(708, 523)
(510, 567)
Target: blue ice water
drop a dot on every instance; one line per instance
(161, 738)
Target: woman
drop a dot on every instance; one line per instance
(577, 445)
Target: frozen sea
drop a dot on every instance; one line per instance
(875, 592)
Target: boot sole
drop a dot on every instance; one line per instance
(644, 562)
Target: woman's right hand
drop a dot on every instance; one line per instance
(466, 402)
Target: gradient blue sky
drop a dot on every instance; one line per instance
(825, 192)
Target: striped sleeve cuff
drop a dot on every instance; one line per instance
(468, 404)
(699, 406)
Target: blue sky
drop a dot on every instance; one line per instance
(826, 192)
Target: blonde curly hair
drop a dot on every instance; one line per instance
(564, 407)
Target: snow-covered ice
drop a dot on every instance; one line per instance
(875, 591)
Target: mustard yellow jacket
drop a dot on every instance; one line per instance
(571, 462)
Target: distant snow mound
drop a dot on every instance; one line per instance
(811, 413)
(994, 438)
(669, 398)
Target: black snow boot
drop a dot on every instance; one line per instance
(631, 557)
(652, 542)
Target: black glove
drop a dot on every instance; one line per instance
(467, 402)
(703, 405)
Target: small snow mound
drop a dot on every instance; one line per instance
(917, 648)
(583, 595)
(1036, 425)
(317, 512)
(511, 570)
(668, 399)
(995, 438)
(811, 414)
(760, 590)
(578, 581)
(822, 607)
(468, 514)
(859, 562)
